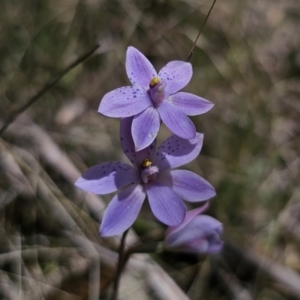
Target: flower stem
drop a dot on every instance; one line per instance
(121, 264)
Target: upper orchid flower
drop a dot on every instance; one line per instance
(198, 234)
(154, 97)
(150, 175)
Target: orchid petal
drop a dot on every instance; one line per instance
(107, 177)
(188, 185)
(145, 127)
(176, 75)
(205, 224)
(126, 139)
(122, 211)
(176, 120)
(139, 69)
(215, 244)
(190, 104)
(166, 205)
(136, 157)
(190, 215)
(124, 102)
(199, 235)
(175, 152)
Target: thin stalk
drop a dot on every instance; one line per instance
(194, 45)
(121, 264)
(46, 87)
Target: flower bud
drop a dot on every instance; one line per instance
(197, 234)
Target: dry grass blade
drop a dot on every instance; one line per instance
(288, 279)
(290, 216)
(236, 289)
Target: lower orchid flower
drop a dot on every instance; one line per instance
(150, 175)
(197, 234)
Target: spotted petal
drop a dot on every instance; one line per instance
(188, 185)
(176, 120)
(107, 177)
(175, 152)
(139, 69)
(190, 104)
(128, 146)
(122, 211)
(145, 127)
(166, 205)
(124, 102)
(176, 75)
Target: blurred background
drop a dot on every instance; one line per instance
(247, 62)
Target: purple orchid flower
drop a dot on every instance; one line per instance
(198, 234)
(150, 175)
(154, 97)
